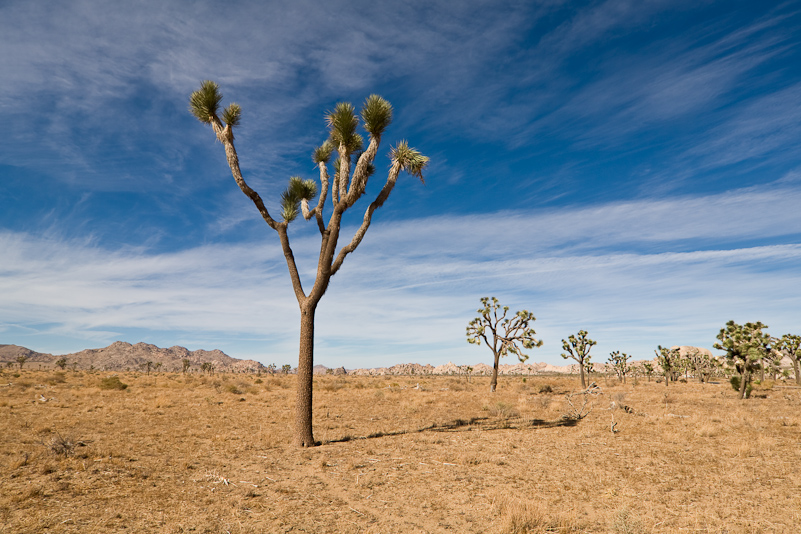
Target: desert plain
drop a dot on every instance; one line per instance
(175, 453)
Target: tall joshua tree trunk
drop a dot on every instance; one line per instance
(303, 403)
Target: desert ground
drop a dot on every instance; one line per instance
(175, 453)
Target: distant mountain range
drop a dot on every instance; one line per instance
(121, 356)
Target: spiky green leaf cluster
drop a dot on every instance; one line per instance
(322, 153)
(409, 159)
(297, 190)
(342, 123)
(205, 102)
(232, 114)
(376, 115)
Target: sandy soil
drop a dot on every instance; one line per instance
(175, 453)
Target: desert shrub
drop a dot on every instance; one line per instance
(112, 382)
(331, 386)
(735, 383)
(259, 381)
(627, 523)
(56, 378)
(233, 388)
(501, 409)
(62, 445)
(546, 388)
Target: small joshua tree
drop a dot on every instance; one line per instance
(746, 346)
(668, 360)
(619, 362)
(61, 363)
(648, 369)
(790, 345)
(21, 360)
(286, 368)
(578, 347)
(185, 364)
(508, 335)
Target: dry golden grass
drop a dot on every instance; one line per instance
(173, 453)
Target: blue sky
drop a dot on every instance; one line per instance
(631, 168)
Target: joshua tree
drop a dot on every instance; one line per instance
(352, 169)
(648, 368)
(271, 368)
(746, 346)
(508, 335)
(185, 365)
(286, 368)
(668, 360)
(207, 367)
(578, 347)
(21, 360)
(619, 362)
(790, 345)
(61, 363)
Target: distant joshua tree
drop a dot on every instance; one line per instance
(507, 335)
(286, 368)
(619, 362)
(21, 360)
(790, 345)
(648, 369)
(746, 347)
(62, 363)
(668, 360)
(578, 347)
(185, 365)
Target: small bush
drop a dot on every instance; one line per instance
(232, 388)
(546, 388)
(62, 445)
(56, 378)
(502, 410)
(112, 382)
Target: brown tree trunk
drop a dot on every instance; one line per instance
(303, 404)
(744, 379)
(797, 374)
(494, 381)
(581, 369)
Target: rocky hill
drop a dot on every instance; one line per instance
(121, 356)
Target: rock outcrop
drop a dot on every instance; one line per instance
(122, 356)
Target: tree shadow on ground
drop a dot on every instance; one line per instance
(469, 425)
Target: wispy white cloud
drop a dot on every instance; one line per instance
(409, 290)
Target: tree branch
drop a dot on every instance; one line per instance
(226, 136)
(297, 285)
(392, 178)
